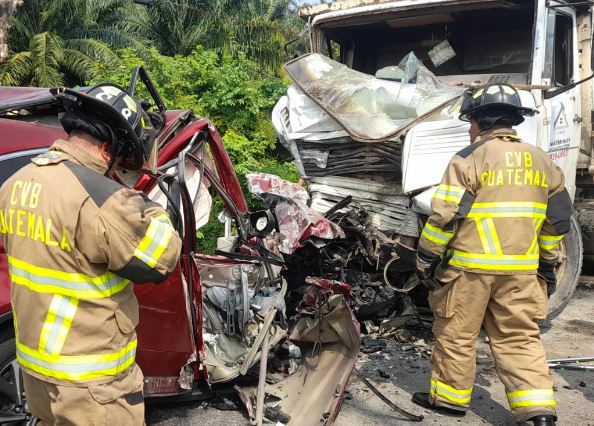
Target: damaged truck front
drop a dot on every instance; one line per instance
(371, 121)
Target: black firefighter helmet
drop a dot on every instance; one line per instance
(494, 104)
(110, 114)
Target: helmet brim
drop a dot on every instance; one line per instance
(467, 115)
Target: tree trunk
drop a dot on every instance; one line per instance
(7, 9)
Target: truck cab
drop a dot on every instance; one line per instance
(543, 48)
(538, 46)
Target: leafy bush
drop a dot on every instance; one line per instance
(233, 92)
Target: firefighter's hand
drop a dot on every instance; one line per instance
(546, 270)
(426, 265)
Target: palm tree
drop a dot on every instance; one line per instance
(46, 63)
(258, 28)
(174, 27)
(59, 41)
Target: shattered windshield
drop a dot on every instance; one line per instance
(370, 108)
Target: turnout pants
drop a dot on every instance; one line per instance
(507, 306)
(118, 403)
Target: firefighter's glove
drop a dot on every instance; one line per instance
(546, 270)
(426, 265)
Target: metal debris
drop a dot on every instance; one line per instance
(580, 363)
(380, 395)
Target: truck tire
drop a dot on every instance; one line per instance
(568, 270)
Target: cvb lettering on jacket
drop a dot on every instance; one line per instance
(21, 220)
(519, 171)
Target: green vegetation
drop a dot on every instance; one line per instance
(236, 94)
(220, 58)
(257, 28)
(55, 42)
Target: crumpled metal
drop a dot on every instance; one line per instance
(297, 223)
(371, 109)
(263, 183)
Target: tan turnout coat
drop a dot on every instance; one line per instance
(76, 241)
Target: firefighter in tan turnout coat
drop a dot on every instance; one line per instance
(488, 253)
(75, 241)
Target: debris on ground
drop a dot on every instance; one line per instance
(383, 374)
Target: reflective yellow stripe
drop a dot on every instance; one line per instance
(514, 262)
(437, 235)
(549, 242)
(488, 235)
(163, 218)
(73, 284)
(57, 324)
(482, 234)
(449, 193)
(15, 322)
(508, 209)
(536, 224)
(455, 396)
(492, 237)
(77, 367)
(533, 246)
(155, 241)
(531, 398)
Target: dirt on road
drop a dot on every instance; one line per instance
(405, 370)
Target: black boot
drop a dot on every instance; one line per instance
(543, 420)
(422, 399)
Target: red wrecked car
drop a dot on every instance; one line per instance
(202, 331)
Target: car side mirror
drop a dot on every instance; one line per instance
(262, 223)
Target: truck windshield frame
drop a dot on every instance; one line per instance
(480, 36)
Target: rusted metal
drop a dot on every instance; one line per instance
(311, 11)
(307, 11)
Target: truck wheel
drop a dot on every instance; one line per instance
(568, 270)
(13, 407)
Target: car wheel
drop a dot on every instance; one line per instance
(13, 405)
(568, 270)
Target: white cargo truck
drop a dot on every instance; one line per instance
(367, 118)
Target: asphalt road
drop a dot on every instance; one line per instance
(571, 335)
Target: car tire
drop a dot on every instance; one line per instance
(568, 270)
(13, 409)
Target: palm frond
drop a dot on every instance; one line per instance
(78, 64)
(16, 70)
(60, 16)
(94, 49)
(46, 54)
(111, 36)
